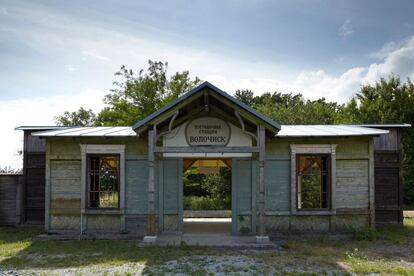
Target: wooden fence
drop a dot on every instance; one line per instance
(11, 199)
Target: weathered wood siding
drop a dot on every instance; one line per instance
(277, 184)
(388, 200)
(10, 199)
(352, 184)
(34, 149)
(388, 178)
(64, 188)
(352, 195)
(244, 195)
(170, 185)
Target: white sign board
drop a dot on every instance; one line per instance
(207, 131)
(236, 138)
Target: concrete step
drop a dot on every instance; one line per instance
(214, 240)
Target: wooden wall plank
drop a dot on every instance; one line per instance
(352, 184)
(277, 185)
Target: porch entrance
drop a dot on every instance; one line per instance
(207, 196)
(236, 212)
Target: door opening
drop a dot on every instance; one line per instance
(207, 196)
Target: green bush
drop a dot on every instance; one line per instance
(206, 203)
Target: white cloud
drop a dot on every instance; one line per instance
(70, 67)
(399, 61)
(384, 51)
(346, 30)
(4, 11)
(86, 44)
(37, 111)
(95, 55)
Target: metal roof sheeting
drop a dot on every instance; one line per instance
(40, 127)
(327, 130)
(286, 131)
(88, 132)
(386, 125)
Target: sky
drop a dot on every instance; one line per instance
(60, 55)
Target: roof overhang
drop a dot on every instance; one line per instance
(327, 131)
(244, 110)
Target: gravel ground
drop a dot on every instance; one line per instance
(248, 262)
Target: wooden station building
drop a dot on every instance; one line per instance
(285, 179)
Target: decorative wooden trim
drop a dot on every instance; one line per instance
(313, 149)
(243, 128)
(170, 127)
(212, 149)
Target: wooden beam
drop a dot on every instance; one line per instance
(261, 132)
(371, 184)
(169, 113)
(47, 188)
(212, 149)
(151, 231)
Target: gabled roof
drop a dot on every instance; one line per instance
(199, 89)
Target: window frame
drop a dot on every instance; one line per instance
(328, 185)
(313, 149)
(102, 149)
(88, 179)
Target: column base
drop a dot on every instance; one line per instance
(149, 239)
(262, 239)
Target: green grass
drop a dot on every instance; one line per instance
(206, 203)
(388, 251)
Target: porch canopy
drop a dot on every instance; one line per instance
(203, 100)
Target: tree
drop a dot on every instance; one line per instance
(246, 96)
(388, 101)
(137, 96)
(291, 108)
(82, 117)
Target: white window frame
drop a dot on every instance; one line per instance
(312, 149)
(102, 149)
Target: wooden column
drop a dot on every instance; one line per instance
(151, 227)
(262, 151)
(371, 184)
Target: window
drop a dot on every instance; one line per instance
(313, 181)
(103, 181)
